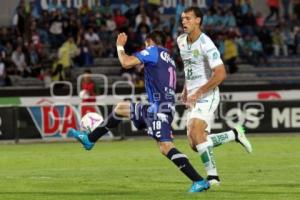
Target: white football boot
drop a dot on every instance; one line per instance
(241, 138)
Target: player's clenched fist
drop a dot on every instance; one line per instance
(122, 39)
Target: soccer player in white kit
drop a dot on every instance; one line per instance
(204, 71)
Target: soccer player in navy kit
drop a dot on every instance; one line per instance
(156, 117)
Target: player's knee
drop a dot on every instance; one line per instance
(197, 132)
(193, 133)
(192, 129)
(193, 147)
(119, 107)
(122, 108)
(192, 144)
(165, 147)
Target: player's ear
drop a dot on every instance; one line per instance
(148, 42)
(198, 19)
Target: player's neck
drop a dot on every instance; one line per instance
(193, 36)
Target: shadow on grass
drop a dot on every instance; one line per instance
(54, 193)
(257, 192)
(287, 185)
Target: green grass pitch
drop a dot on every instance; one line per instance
(134, 169)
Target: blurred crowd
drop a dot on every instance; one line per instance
(46, 44)
(242, 32)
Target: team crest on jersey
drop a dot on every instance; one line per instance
(196, 53)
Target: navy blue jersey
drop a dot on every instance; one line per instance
(160, 75)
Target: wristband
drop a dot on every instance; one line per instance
(120, 48)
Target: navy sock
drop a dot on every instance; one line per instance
(97, 133)
(183, 163)
(112, 121)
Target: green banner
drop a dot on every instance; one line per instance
(5, 101)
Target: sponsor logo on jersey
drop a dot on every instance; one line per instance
(191, 78)
(189, 75)
(166, 57)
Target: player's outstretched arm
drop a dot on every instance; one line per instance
(126, 61)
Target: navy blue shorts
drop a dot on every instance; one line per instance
(158, 125)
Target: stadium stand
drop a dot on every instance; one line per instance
(264, 51)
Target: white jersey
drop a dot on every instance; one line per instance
(199, 58)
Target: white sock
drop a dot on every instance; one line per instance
(205, 151)
(222, 138)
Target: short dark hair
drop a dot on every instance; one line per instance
(87, 71)
(196, 10)
(158, 37)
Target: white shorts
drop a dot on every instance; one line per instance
(205, 108)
